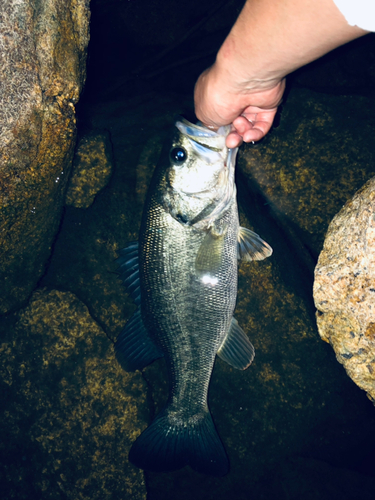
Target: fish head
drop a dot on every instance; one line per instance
(200, 172)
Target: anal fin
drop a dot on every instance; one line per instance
(134, 347)
(237, 350)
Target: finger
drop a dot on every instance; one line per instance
(258, 131)
(243, 124)
(253, 135)
(233, 140)
(260, 126)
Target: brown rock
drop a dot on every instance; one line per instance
(344, 288)
(43, 64)
(92, 168)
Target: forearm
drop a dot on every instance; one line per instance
(272, 38)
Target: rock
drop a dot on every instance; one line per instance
(92, 168)
(43, 66)
(69, 412)
(344, 288)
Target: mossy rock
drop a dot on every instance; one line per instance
(70, 413)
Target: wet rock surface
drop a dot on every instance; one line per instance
(69, 413)
(344, 288)
(43, 48)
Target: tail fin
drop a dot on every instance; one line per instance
(170, 443)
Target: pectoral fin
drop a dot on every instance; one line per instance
(210, 253)
(134, 347)
(237, 350)
(251, 246)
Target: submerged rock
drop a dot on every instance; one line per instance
(320, 154)
(69, 412)
(344, 288)
(43, 68)
(92, 169)
(295, 399)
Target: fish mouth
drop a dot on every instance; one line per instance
(210, 146)
(206, 137)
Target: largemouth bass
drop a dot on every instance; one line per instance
(183, 276)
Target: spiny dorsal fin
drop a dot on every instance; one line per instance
(237, 350)
(251, 246)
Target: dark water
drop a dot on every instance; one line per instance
(294, 425)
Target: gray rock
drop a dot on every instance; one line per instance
(42, 71)
(344, 288)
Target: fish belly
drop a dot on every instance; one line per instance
(188, 318)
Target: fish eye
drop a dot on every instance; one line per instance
(178, 155)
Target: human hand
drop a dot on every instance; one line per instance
(250, 112)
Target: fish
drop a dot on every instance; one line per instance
(182, 275)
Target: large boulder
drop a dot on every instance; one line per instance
(344, 288)
(43, 48)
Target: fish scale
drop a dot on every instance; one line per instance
(188, 311)
(186, 285)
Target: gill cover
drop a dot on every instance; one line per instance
(210, 147)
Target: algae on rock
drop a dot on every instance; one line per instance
(317, 158)
(92, 169)
(70, 412)
(305, 171)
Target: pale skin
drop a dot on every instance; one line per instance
(270, 39)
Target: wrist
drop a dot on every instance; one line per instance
(242, 71)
